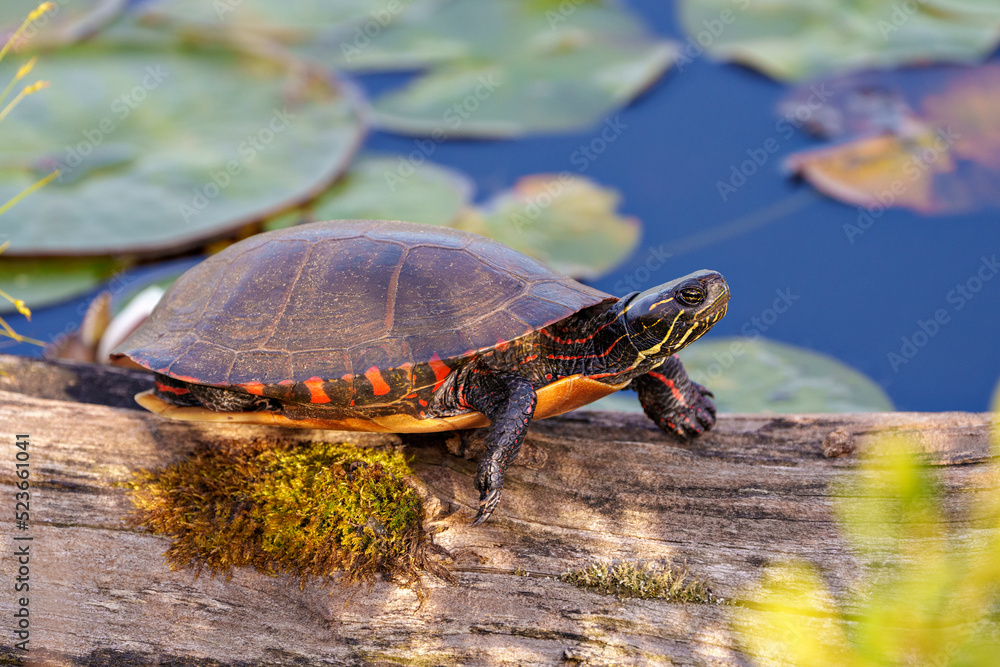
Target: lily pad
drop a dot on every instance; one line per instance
(498, 69)
(759, 375)
(552, 93)
(793, 40)
(162, 150)
(565, 221)
(290, 22)
(934, 151)
(876, 172)
(392, 188)
(43, 282)
(481, 30)
(518, 68)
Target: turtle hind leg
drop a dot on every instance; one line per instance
(508, 401)
(675, 402)
(185, 394)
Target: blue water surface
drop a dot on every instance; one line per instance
(796, 275)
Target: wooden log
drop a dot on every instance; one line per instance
(589, 485)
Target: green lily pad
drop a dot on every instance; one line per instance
(517, 68)
(289, 22)
(498, 69)
(485, 31)
(791, 40)
(392, 188)
(759, 375)
(43, 282)
(565, 221)
(553, 93)
(933, 149)
(165, 149)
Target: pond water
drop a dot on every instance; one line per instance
(795, 275)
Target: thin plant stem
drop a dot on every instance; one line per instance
(28, 190)
(41, 9)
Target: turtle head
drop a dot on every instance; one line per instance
(664, 319)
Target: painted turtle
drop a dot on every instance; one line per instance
(371, 325)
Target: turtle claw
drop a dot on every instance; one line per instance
(676, 403)
(487, 504)
(691, 420)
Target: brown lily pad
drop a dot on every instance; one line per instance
(936, 151)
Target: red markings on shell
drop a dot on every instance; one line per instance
(441, 370)
(316, 393)
(255, 388)
(379, 386)
(179, 391)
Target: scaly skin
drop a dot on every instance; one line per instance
(508, 400)
(604, 345)
(674, 402)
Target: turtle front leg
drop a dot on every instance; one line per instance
(508, 401)
(674, 401)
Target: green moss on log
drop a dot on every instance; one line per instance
(641, 580)
(310, 510)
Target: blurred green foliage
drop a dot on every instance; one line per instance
(925, 595)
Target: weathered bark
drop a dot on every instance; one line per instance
(589, 485)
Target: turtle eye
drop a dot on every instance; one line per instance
(691, 296)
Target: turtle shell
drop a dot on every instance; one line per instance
(343, 312)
